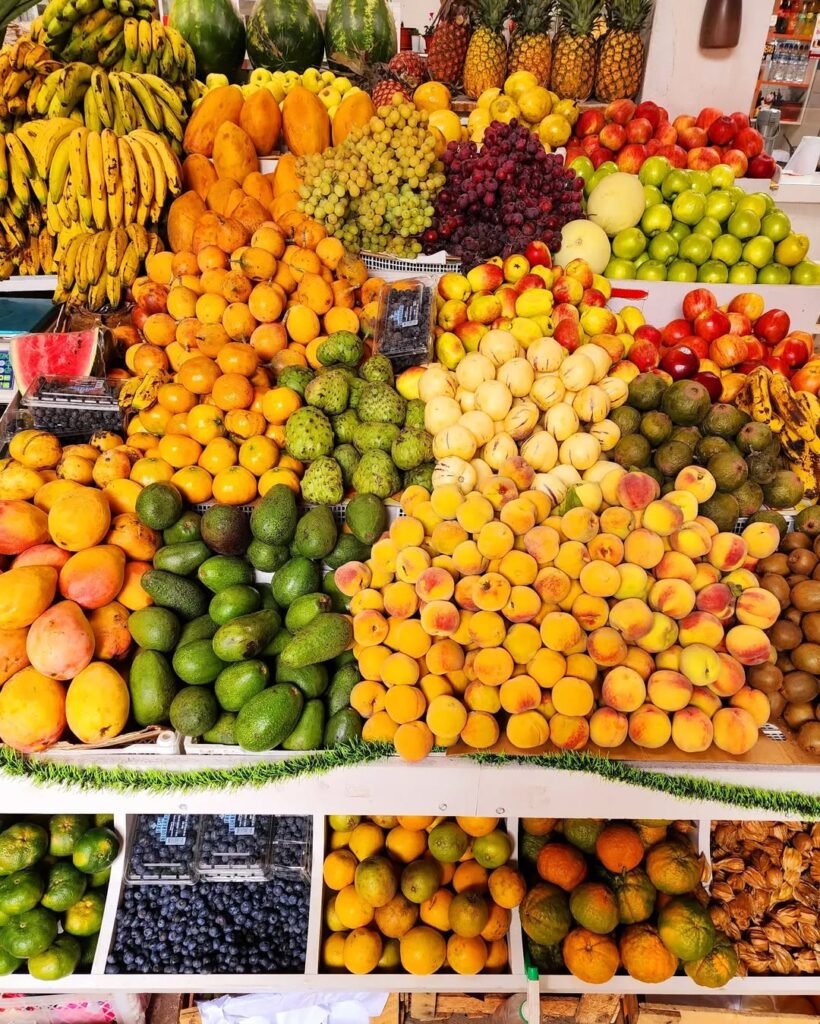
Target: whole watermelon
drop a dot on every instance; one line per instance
(285, 35)
(360, 31)
(215, 32)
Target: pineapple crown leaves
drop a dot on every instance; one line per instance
(533, 17)
(628, 15)
(578, 17)
(491, 14)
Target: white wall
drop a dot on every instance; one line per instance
(684, 78)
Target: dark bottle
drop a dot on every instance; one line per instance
(720, 28)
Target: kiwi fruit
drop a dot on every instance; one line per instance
(806, 657)
(806, 595)
(765, 677)
(810, 625)
(785, 635)
(796, 715)
(803, 561)
(799, 687)
(809, 737)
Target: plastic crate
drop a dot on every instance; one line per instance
(163, 850)
(392, 268)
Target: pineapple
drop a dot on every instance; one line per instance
(448, 41)
(622, 53)
(531, 46)
(573, 58)
(485, 66)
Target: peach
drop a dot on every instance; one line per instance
(606, 647)
(623, 689)
(700, 664)
(560, 632)
(736, 731)
(481, 730)
(365, 600)
(541, 503)
(685, 501)
(458, 681)
(517, 469)
(523, 605)
(400, 600)
(590, 612)
(692, 539)
(519, 515)
(528, 730)
(446, 537)
(697, 481)
(608, 728)
(440, 618)
(487, 629)
(600, 579)
(582, 666)
(367, 698)
(369, 628)
(757, 607)
(411, 563)
(741, 578)
(632, 618)
(519, 568)
(692, 730)
(755, 702)
(573, 696)
(762, 539)
(406, 531)
(410, 637)
(717, 599)
(580, 524)
(384, 554)
(670, 691)
(707, 701)
(700, 628)
(462, 634)
(708, 525)
(571, 558)
(499, 490)
(643, 548)
(649, 727)
(465, 592)
(424, 512)
(748, 644)
(493, 666)
(435, 686)
(434, 585)
(728, 552)
(446, 500)
(480, 697)
(674, 565)
(371, 660)
(399, 670)
(468, 558)
(405, 704)
(662, 518)
(474, 512)
(670, 658)
(663, 634)
(546, 707)
(546, 668)
(552, 584)
(495, 539)
(634, 582)
(673, 597)
(519, 694)
(353, 577)
(705, 576)
(606, 547)
(413, 741)
(636, 490)
(523, 642)
(569, 732)
(617, 521)
(444, 656)
(446, 716)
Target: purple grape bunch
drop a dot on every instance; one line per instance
(499, 198)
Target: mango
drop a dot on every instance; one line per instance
(32, 711)
(25, 593)
(60, 642)
(97, 703)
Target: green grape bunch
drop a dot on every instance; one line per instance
(376, 190)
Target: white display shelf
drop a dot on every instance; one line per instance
(35, 284)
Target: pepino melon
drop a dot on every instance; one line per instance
(617, 202)
(54, 355)
(583, 240)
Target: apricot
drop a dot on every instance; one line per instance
(523, 642)
(643, 548)
(676, 566)
(743, 579)
(560, 632)
(606, 647)
(649, 727)
(518, 568)
(479, 697)
(446, 716)
(634, 582)
(692, 730)
(495, 539)
(757, 607)
(527, 730)
(499, 490)
(369, 628)
(353, 577)
(669, 659)
(384, 554)
(670, 691)
(517, 469)
(762, 539)
(731, 677)
(546, 707)
(522, 606)
(623, 689)
(519, 515)
(692, 539)
(728, 552)
(569, 732)
(700, 628)
(580, 524)
(590, 612)
(697, 481)
(366, 600)
(520, 694)
(399, 670)
(435, 584)
(552, 584)
(406, 532)
(672, 597)
(748, 644)
(700, 664)
(608, 728)
(445, 656)
(474, 512)
(635, 491)
(707, 701)
(663, 634)
(411, 562)
(481, 730)
(367, 697)
(462, 634)
(379, 728)
(600, 579)
(547, 667)
(542, 543)
(405, 704)
(573, 697)
(641, 661)
(492, 592)
(371, 660)
(446, 537)
(736, 731)
(433, 686)
(413, 741)
(487, 629)
(617, 521)
(606, 547)
(411, 637)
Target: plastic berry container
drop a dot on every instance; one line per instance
(163, 850)
(405, 323)
(235, 847)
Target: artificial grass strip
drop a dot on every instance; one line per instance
(356, 753)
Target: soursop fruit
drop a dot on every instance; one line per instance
(348, 459)
(344, 425)
(415, 413)
(296, 378)
(379, 403)
(377, 475)
(377, 370)
(411, 448)
(422, 476)
(329, 392)
(380, 436)
(340, 347)
(308, 434)
(322, 483)
(357, 389)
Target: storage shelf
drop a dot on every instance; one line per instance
(28, 285)
(786, 85)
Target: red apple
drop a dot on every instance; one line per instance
(722, 131)
(762, 166)
(691, 138)
(683, 121)
(777, 365)
(620, 111)
(675, 331)
(664, 113)
(740, 324)
(747, 366)
(568, 334)
(755, 349)
(703, 158)
(589, 143)
(773, 326)
(697, 301)
(613, 136)
(631, 158)
(565, 311)
(737, 160)
(538, 254)
(749, 141)
(651, 111)
(592, 297)
(599, 156)
(666, 134)
(711, 324)
(794, 350)
(652, 147)
(589, 123)
(707, 116)
(529, 281)
(740, 119)
(647, 332)
(644, 355)
(639, 130)
(676, 155)
(698, 345)
(574, 150)
(508, 295)
(712, 384)
(679, 362)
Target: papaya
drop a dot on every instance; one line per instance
(219, 193)
(183, 217)
(261, 119)
(217, 106)
(286, 177)
(306, 122)
(234, 153)
(354, 111)
(198, 174)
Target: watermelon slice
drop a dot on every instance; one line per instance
(54, 355)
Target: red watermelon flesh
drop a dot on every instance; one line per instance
(53, 355)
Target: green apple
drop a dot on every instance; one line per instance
(727, 249)
(679, 231)
(755, 202)
(713, 272)
(688, 207)
(663, 247)
(776, 225)
(214, 80)
(737, 193)
(758, 251)
(773, 273)
(620, 270)
(675, 182)
(771, 205)
(722, 176)
(654, 170)
(629, 243)
(681, 270)
(604, 171)
(656, 219)
(697, 249)
(744, 224)
(743, 273)
(806, 272)
(701, 182)
(652, 270)
(640, 260)
(583, 167)
(709, 226)
(720, 205)
(653, 195)
(792, 250)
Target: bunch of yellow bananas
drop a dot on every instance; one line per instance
(89, 30)
(36, 256)
(96, 268)
(24, 66)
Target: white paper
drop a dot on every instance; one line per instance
(805, 157)
(294, 1008)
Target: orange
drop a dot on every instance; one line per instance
(151, 470)
(175, 397)
(432, 96)
(235, 486)
(276, 432)
(194, 482)
(302, 324)
(279, 404)
(236, 357)
(198, 375)
(211, 308)
(279, 476)
(205, 422)
(145, 359)
(178, 424)
(232, 391)
(239, 322)
(562, 864)
(258, 454)
(141, 441)
(242, 424)
(268, 339)
(179, 451)
(619, 847)
(155, 419)
(258, 394)
(217, 455)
